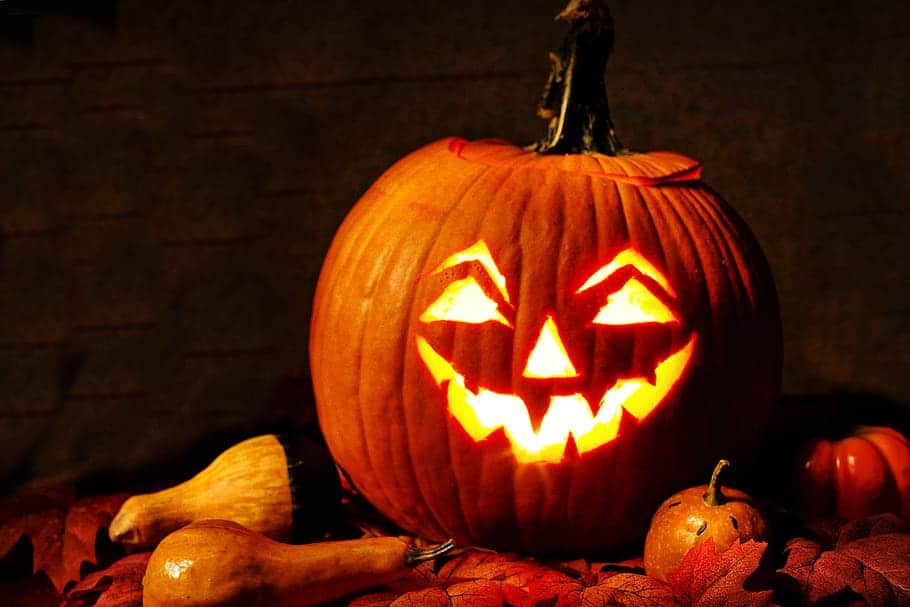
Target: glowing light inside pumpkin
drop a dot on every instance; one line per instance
(627, 257)
(549, 358)
(483, 412)
(480, 253)
(633, 304)
(464, 301)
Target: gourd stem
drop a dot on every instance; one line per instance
(713, 496)
(574, 100)
(415, 555)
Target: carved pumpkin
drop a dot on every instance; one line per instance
(863, 474)
(552, 404)
(531, 349)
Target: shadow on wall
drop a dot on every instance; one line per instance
(287, 409)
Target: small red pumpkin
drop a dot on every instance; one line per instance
(863, 474)
(526, 349)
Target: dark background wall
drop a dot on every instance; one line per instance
(171, 174)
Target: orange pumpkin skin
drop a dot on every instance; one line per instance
(864, 474)
(691, 516)
(548, 221)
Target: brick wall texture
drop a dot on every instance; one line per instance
(171, 174)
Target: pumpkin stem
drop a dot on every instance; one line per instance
(574, 100)
(415, 556)
(713, 496)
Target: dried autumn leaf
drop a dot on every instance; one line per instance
(707, 579)
(120, 585)
(484, 578)
(629, 590)
(867, 527)
(556, 590)
(467, 577)
(474, 564)
(876, 567)
(592, 573)
(62, 530)
(601, 585)
(473, 593)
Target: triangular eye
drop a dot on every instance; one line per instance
(464, 301)
(633, 304)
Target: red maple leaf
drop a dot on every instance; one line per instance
(867, 557)
(476, 564)
(62, 530)
(485, 578)
(471, 593)
(120, 585)
(597, 584)
(592, 573)
(628, 590)
(707, 579)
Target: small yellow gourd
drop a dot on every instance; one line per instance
(251, 483)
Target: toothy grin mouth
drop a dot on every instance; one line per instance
(483, 412)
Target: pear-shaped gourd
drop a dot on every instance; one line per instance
(220, 563)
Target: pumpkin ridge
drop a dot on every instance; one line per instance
(645, 200)
(403, 473)
(719, 242)
(684, 222)
(457, 211)
(539, 191)
(409, 472)
(369, 445)
(380, 227)
(709, 216)
(746, 288)
(491, 193)
(573, 482)
(403, 232)
(563, 210)
(346, 258)
(747, 264)
(489, 463)
(451, 213)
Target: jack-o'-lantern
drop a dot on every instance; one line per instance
(553, 406)
(530, 348)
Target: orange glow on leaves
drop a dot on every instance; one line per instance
(485, 411)
(549, 358)
(633, 304)
(464, 301)
(627, 257)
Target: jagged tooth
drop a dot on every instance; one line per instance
(627, 421)
(593, 400)
(651, 377)
(537, 405)
(571, 452)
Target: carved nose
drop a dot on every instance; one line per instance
(549, 358)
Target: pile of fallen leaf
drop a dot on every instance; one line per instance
(51, 553)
